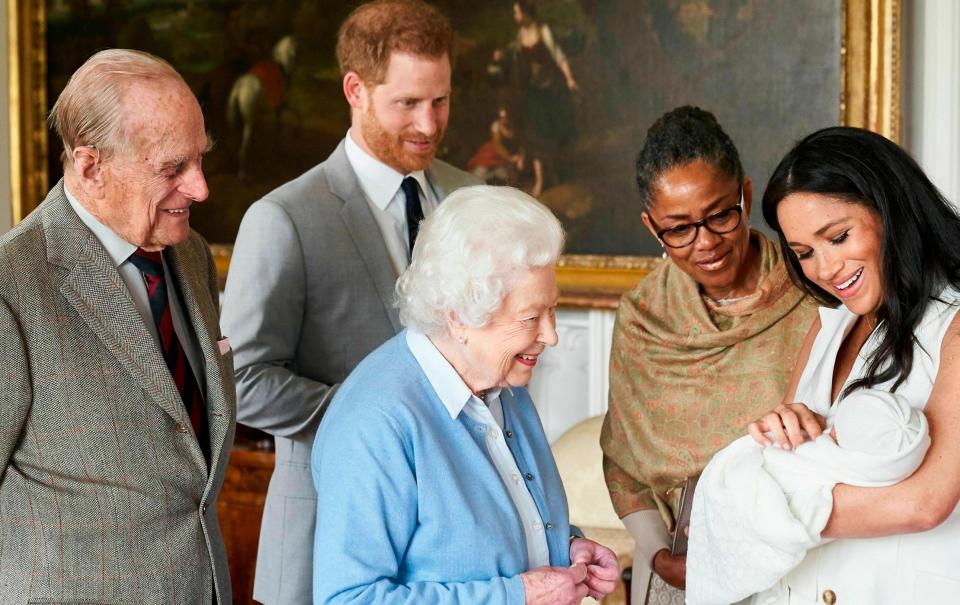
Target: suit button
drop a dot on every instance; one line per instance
(203, 509)
(182, 428)
(829, 597)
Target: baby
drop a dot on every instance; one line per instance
(757, 511)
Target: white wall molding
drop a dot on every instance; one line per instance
(932, 41)
(570, 381)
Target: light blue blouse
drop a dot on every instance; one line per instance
(410, 509)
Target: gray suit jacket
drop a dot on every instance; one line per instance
(309, 294)
(105, 496)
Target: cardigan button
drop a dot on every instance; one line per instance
(509, 434)
(529, 476)
(829, 597)
(549, 526)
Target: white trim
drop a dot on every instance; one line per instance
(932, 40)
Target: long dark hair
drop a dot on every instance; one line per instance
(920, 243)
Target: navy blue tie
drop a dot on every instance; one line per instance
(150, 265)
(411, 190)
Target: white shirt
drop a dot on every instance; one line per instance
(457, 397)
(119, 251)
(381, 185)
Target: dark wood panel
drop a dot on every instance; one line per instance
(240, 508)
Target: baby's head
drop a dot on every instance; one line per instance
(875, 422)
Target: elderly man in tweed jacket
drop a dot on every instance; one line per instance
(117, 404)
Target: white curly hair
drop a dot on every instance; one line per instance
(470, 251)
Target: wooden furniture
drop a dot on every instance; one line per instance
(240, 507)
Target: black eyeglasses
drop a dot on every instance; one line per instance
(721, 222)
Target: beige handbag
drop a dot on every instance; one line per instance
(658, 591)
(661, 593)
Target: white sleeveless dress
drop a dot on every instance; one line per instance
(920, 568)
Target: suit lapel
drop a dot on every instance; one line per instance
(363, 230)
(186, 267)
(438, 181)
(96, 291)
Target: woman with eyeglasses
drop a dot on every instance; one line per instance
(701, 346)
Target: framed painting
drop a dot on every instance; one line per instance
(562, 117)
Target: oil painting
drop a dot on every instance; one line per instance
(552, 96)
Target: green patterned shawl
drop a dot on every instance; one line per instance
(687, 376)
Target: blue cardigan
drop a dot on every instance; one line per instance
(410, 509)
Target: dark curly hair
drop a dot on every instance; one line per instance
(679, 137)
(919, 253)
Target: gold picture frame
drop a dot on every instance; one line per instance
(870, 81)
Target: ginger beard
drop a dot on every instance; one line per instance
(391, 149)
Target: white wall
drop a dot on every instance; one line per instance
(570, 382)
(931, 69)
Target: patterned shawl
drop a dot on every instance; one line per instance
(687, 376)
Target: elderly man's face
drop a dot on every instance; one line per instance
(149, 188)
(505, 350)
(403, 118)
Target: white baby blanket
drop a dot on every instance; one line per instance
(757, 511)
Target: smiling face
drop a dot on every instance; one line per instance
(838, 244)
(723, 264)
(149, 187)
(401, 121)
(505, 350)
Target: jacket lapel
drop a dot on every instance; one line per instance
(187, 267)
(442, 179)
(95, 290)
(363, 230)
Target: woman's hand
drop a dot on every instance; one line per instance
(786, 425)
(555, 585)
(603, 569)
(672, 568)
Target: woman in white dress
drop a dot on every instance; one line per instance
(869, 236)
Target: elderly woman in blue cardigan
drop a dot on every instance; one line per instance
(435, 481)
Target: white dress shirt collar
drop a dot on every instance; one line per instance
(450, 388)
(379, 182)
(118, 248)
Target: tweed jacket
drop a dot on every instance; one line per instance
(105, 495)
(309, 295)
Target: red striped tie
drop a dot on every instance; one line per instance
(151, 266)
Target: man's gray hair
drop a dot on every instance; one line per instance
(469, 253)
(89, 111)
